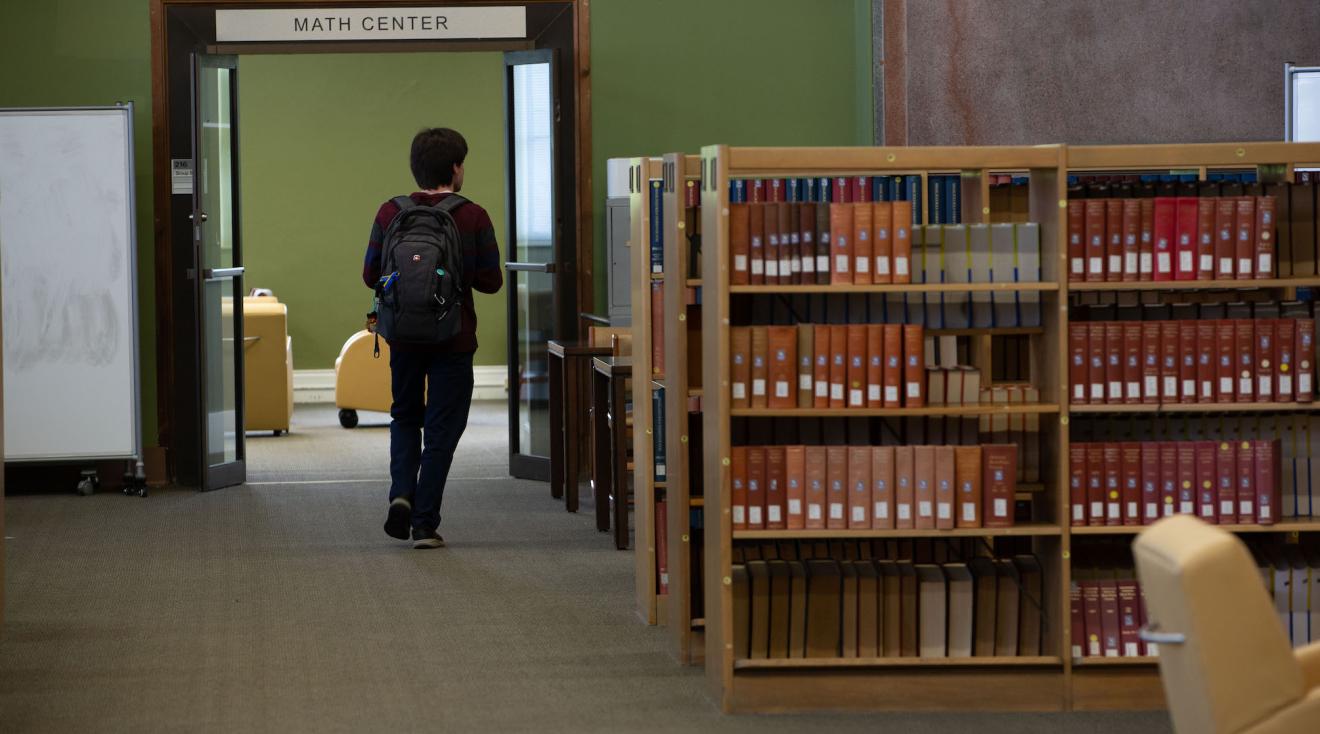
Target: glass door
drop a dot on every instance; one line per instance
(219, 269)
(534, 240)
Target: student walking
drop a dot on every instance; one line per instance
(428, 251)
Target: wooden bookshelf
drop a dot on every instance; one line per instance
(1019, 531)
(1115, 662)
(1199, 285)
(779, 664)
(930, 411)
(1286, 526)
(770, 290)
(1149, 408)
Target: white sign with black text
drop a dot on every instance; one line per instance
(371, 24)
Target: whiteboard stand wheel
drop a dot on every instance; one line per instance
(135, 484)
(278, 432)
(348, 418)
(88, 482)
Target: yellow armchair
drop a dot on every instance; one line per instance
(362, 382)
(268, 366)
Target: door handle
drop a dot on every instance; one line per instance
(514, 267)
(201, 216)
(221, 273)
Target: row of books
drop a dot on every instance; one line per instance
(1136, 483)
(797, 243)
(1171, 238)
(1108, 608)
(944, 193)
(1292, 578)
(691, 225)
(873, 487)
(1295, 225)
(1220, 361)
(881, 608)
(1010, 199)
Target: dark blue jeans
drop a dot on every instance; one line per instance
(432, 395)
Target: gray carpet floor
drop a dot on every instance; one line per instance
(281, 606)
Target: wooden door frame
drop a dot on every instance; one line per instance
(165, 346)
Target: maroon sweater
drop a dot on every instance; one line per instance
(481, 261)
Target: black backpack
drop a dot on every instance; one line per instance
(422, 286)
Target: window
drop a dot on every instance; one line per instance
(533, 129)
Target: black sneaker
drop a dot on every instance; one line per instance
(399, 518)
(424, 539)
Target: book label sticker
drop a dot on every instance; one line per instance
(813, 512)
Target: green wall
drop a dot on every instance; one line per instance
(323, 140)
(677, 75)
(73, 53)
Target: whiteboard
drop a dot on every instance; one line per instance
(69, 284)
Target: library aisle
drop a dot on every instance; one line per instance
(280, 605)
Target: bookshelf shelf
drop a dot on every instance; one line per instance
(694, 282)
(928, 411)
(890, 288)
(1198, 285)
(1287, 526)
(1114, 662)
(1197, 408)
(1024, 530)
(1188, 156)
(990, 331)
(790, 663)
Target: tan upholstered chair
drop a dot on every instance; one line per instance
(1224, 659)
(268, 365)
(361, 381)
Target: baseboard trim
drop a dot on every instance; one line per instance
(310, 387)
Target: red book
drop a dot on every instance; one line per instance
(999, 483)
(944, 487)
(1130, 482)
(662, 545)
(658, 327)
(902, 243)
(1077, 477)
(1265, 355)
(1170, 360)
(923, 485)
(1095, 484)
(1185, 242)
(773, 255)
(1146, 243)
(1091, 612)
(739, 243)
(842, 190)
(817, 475)
(1076, 244)
(836, 487)
(1114, 362)
(1225, 361)
(1095, 240)
(1150, 482)
(1225, 237)
(1187, 388)
(882, 487)
(1246, 483)
(1186, 478)
(760, 366)
(1129, 616)
(756, 243)
(1205, 361)
(1205, 238)
(841, 231)
(1265, 208)
(862, 248)
(776, 488)
(1077, 361)
(914, 367)
(1150, 362)
(1304, 356)
(893, 371)
(1285, 340)
(795, 492)
(1207, 493)
(821, 335)
(782, 341)
(860, 188)
(1078, 614)
(1226, 481)
(904, 464)
(1246, 360)
(775, 190)
(875, 365)
(1131, 239)
(1245, 248)
(1114, 239)
(859, 487)
(1109, 625)
(756, 478)
(1113, 474)
(838, 366)
(1168, 478)
(738, 483)
(1131, 360)
(1165, 232)
(1095, 346)
(1269, 500)
(855, 391)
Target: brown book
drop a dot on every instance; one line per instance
(841, 232)
(1206, 353)
(932, 593)
(1205, 238)
(914, 367)
(856, 372)
(923, 479)
(780, 580)
(1266, 207)
(1146, 244)
(1187, 388)
(1266, 458)
(882, 487)
(882, 222)
(756, 244)
(836, 472)
(1007, 613)
(1113, 361)
(1131, 225)
(945, 493)
(1077, 483)
(788, 246)
(861, 243)
(998, 484)
(1078, 365)
(756, 481)
(838, 366)
(1095, 240)
(824, 608)
(1305, 359)
(904, 488)
(1244, 249)
(1076, 240)
(782, 342)
(772, 253)
(739, 243)
(657, 328)
(908, 609)
(738, 486)
(1302, 227)
(890, 608)
(985, 598)
(868, 609)
(1112, 468)
(1225, 237)
(1263, 331)
(967, 486)
(817, 493)
(760, 366)
(742, 611)
(902, 241)
(807, 241)
(1031, 596)
(740, 372)
(859, 487)
(893, 368)
(1285, 340)
(823, 242)
(1245, 388)
(1150, 361)
(1170, 360)
(820, 375)
(1095, 347)
(776, 489)
(797, 609)
(1131, 361)
(875, 365)
(795, 488)
(1113, 239)
(806, 346)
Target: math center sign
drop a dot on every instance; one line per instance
(371, 24)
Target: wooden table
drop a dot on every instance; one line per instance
(609, 400)
(569, 373)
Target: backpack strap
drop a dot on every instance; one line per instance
(450, 203)
(404, 203)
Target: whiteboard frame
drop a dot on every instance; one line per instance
(1290, 72)
(135, 368)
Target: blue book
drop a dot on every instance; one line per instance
(953, 196)
(738, 191)
(933, 199)
(658, 423)
(822, 189)
(657, 226)
(913, 185)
